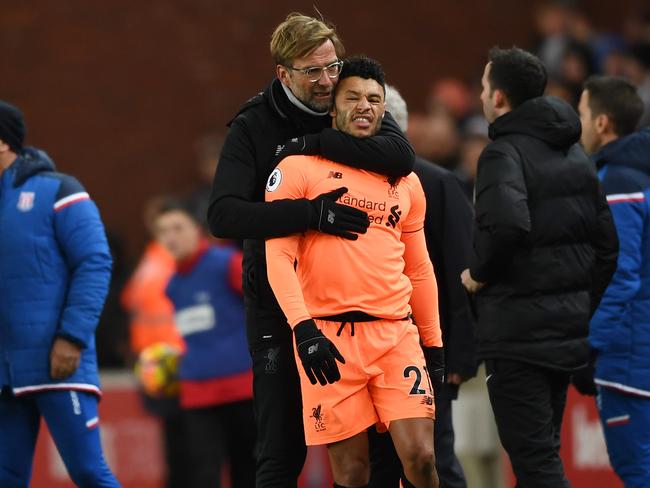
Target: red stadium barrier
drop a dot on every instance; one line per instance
(132, 445)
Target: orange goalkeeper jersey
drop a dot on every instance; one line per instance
(385, 272)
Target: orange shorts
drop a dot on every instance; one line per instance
(383, 379)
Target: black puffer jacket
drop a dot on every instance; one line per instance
(237, 208)
(544, 241)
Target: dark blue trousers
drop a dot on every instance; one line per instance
(72, 420)
(626, 424)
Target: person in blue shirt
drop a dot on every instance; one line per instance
(55, 267)
(619, 334)
(215, 370)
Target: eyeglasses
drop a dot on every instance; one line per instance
(314, 74)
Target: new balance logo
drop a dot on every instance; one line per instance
(394, 216)
(312, 349)
(279, 149)
(335, 174)
(330, 216)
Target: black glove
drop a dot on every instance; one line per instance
(308, 144)
(337, 219)
(583, 379)
(435, 359)
(317, 353)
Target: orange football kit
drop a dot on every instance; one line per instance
(381, 278)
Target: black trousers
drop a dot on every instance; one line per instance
(281, 449)
(216, 434)
(386, 468)
(177, 463)
(528, 404)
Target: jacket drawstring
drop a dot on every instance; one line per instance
(343, 324)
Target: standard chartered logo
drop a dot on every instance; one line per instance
(394, 216)
(367, 205)
(364, 203)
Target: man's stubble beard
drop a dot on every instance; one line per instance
(324, 108)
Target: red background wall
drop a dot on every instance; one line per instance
(117, 92)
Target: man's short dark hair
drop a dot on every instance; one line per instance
(365, 68)
(519, 74)
(174, 204)
(618, 99)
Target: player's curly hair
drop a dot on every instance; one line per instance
(365, 68)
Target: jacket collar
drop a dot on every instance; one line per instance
(294, 99)
(547, 118)
(631, 151)
(307, 122)
(30, 162)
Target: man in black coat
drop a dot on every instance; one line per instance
(448, 232)
(290, 116)
(545, 249)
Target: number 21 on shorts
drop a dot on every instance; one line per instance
(415, 373)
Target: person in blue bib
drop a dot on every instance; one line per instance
(215, 370)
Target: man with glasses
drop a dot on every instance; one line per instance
(314, 74)
(320, 91)
(290, 116)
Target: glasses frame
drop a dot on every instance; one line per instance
(304, 71)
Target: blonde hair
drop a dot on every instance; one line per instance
(300, 35)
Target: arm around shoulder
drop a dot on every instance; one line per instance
(236, 211)
(389, 152)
